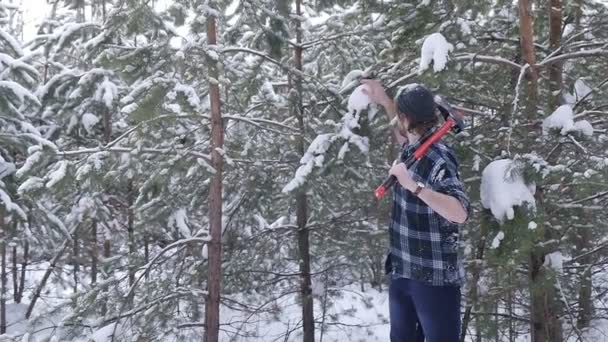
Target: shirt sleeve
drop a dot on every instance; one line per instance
(445, 179)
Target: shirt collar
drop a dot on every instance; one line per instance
(410, 148)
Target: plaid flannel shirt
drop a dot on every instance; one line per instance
(424, 246)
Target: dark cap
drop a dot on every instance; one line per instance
(416, 102)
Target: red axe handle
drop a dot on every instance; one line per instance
(390, 181)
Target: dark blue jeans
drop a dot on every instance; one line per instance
(418, 310)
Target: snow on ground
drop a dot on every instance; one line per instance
(502, 189)
(362, 316)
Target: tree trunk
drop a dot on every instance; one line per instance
(26, 252)
(476, 274)
(212, 312)
(308, 323)
(526, 37)
(107, 252)
(131, 237)
(75, 256)
(94, 254)
(583, 241)
(544, 313)
(555, 36)
(3, 278)
(15, 273)
(46, 276)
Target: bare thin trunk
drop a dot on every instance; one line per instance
(146, 252)
(131, 233)
(46, 276)
(212, 312)
(15, 273)
(308, 322)
(94, 254)
(26, 252)
(107, 252)
(3, 280)
(555, 35)
(76, 251)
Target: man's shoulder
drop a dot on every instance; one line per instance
(441, 153)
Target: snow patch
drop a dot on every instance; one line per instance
(502, 188)
(563, 119)
(88, 121)
(497, 239)
(584, 127)
(358, 100)
(58, 174)
(582, 89)
(555, 261)
(435, 49)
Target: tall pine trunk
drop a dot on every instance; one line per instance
(212, 310)
(308, 323)
(555, 36)
(526, 40)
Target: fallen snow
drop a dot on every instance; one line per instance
(436, 49)
(358, 101)
(502, 189)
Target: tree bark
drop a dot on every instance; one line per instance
(26, 252)
(131, 237)
(94, 254)
(107, 252)
(585, 302)
(212, 319)
(15, 273)
(47, 274)
(526, 37)
(75, 256)
(308, 323)
(3, 290)
(555, 36)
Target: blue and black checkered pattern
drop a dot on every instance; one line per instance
(424, 246)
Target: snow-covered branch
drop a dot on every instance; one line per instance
(488, 59)
(573, 55)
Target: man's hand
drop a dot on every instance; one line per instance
(403, 175)
(376, 93)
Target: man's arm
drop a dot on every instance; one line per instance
(449, 207)
(377, 94)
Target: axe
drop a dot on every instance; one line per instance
(453, 121)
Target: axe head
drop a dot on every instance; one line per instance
(450, 112)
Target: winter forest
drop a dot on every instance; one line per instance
(204, 170)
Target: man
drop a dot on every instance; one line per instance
(429, 205)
